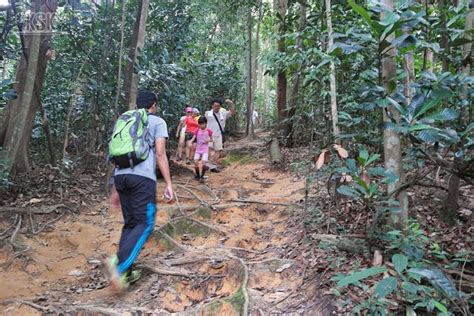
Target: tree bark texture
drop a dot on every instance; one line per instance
(281, 75)
(249, 126)
(138, 39)
(392, 141)
(451, 202)
(332, 76)
(13, 128)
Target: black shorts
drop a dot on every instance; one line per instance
(188, 136)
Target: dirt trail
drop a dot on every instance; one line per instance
(209, 255)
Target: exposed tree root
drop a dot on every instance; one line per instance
(172, 272)
(261, 202)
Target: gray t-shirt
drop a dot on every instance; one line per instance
(157, 129)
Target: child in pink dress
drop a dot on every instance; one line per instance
(202, 136)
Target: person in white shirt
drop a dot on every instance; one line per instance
(255, 118)
(216, 120)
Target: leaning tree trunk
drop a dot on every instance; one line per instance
(15, 141)
(13, 129)
(136, 45)
(281, 74)
(332, 76)
(451, 202)
(392, 140)
(249, 126)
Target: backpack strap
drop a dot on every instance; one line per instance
(218, 123)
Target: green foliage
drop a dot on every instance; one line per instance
(356, 277)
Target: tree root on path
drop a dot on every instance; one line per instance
(245, 307)
(175, 272)
(261, 202)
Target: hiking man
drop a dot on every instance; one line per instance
(136, 186)
(216, 120)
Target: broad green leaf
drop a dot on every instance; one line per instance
(389, 19)
(440, 306)
(358, 276)
(400, 262)
(398, 106)
(376, 28)
(372, 158)
(416, 104)
(446, 114)
(348, 191)
(459, 42)
(420, 127)
(410, 287)
(386, 286)
(438, 279)
(404, 41)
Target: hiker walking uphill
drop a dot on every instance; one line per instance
(137, 145)
(216, 119)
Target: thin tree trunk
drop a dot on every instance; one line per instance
(119, 72)
(451, 202)
(256, 78)
(249, 127)
(281, 75)
(444, 35)
(210, 38)
(392, 140)
(409, 67)
(332, 76)
(138, 39)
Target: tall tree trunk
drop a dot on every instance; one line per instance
(210, 38)
(293, 101)
(120, 59)
(444, 34)
(392, 140)
(256, 78)
(138, 39)
(10, 130)
(249, 127)
(281, 75)
(451, 203)
(332, 76)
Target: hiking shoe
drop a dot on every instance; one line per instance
(196, 177)
(215, 170)
(118, 282)
(134, 276)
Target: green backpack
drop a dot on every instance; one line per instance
(129, 144)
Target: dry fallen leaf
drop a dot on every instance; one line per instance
(341, 151)
(364, 175)
(378, 259)
(323, 157)
(35, 201)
